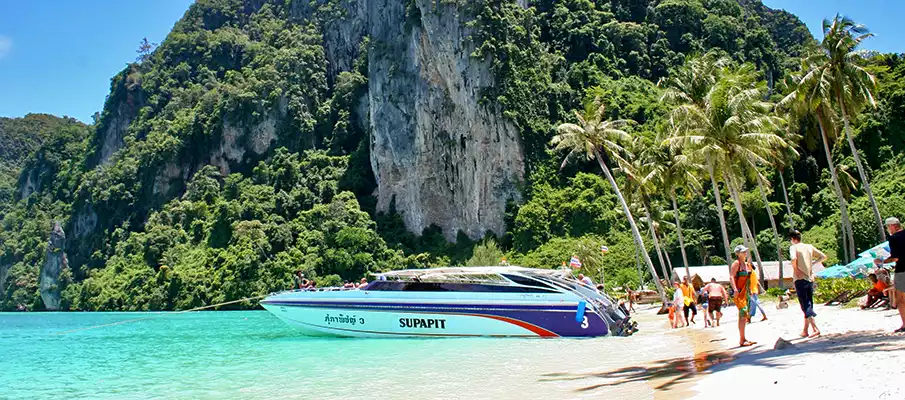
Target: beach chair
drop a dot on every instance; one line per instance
(846, 296)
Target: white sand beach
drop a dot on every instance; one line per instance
(856, 357)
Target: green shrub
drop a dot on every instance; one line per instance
(828, 289)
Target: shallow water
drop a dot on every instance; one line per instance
(254, 355)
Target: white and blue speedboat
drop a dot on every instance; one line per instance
(456, 302)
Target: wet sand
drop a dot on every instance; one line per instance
(655, 363)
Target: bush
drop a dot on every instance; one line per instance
(775, 292)
(828, 289)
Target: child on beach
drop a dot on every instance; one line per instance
(678, 303)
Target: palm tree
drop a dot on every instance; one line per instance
(852, 86)
(636, 169)
(667, 168)
(691, 84)
(633, 187)
(733, 128)
(595, 137)
(776, 239)
(782, 157)
(811, 96)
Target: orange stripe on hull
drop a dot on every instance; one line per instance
(531, 327)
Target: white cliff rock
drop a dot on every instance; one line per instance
(55, 263)
(436, 151)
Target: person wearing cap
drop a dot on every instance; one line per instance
(803, 257)
(897, 255)
(739, 273)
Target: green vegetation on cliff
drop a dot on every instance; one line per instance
(237, 152)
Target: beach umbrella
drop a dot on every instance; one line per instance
(836, 271)
(880, 250)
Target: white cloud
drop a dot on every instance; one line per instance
(5, 45)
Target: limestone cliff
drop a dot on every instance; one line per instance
(437, 151)
(440, 155)
(4, 271)
(51, 271)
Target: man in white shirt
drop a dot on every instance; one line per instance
(803, 257)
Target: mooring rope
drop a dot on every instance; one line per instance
(161, 315)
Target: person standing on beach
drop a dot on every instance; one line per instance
(755, 290)
(715, 295)
(739, 273)
(897, 255)
(630, 297)
(803, 257)
(678, 301)
(689, 296)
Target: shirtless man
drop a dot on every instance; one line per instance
(716, 293)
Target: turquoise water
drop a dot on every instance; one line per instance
(254, 355)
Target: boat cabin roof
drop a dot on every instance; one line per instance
(467, 274)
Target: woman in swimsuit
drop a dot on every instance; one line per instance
(739, 273)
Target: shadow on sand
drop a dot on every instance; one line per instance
(667, 373)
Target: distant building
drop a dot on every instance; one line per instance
(721, 273)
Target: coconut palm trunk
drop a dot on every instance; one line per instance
(747, 235)
(763, 195)
(719, 213)
(653, 235)
(881, 237)
(848, 251)
(638, 267)
(634, 227)
(785, 196)
(675, 211)
(668, 260)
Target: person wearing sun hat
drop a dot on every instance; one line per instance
(739, 273)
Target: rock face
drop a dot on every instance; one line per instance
(4, 271)
(437, 153)
(54, 264)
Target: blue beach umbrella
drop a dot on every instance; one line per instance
(836, 271)
(880, 250)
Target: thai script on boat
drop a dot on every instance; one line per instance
(343, 319)
(430, 323)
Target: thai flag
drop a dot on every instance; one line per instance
(574, 262)
(604, 249)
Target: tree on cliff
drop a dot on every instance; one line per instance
(145, 48)
(595, 137)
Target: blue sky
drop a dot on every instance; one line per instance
(58, 56)
(882, 17)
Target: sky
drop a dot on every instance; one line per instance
(882, 17)
(58, 56)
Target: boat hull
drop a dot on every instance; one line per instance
(396, 319)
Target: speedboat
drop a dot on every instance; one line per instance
(505, 301)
